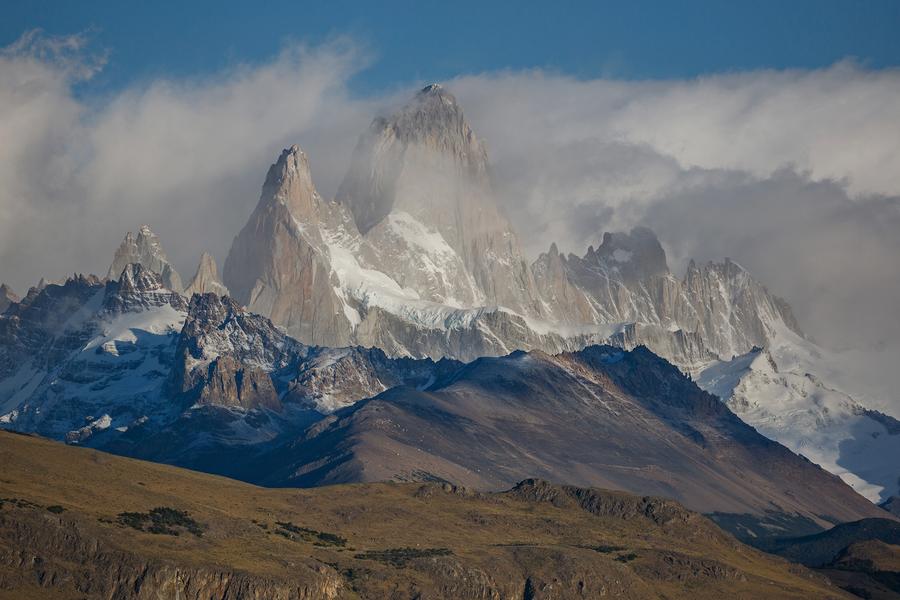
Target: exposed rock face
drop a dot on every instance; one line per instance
(138, 288)
(717, 310)
(145, 250)
(426, 163)
(206, 279)
(225, 355)
(58, 553)
(228, 383)
(7, 297)
(278, 265)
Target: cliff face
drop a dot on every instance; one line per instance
(425, 165)
(278, 265)
(40, 550)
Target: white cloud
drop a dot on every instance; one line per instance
(701, 161)
(187, 157)
(795, 174)
(835, 123)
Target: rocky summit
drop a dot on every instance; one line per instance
(206, 278)
(145, 249)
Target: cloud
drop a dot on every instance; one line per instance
(833, 123)
(187, 157)
(793, 173)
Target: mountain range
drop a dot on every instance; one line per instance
(397, 332)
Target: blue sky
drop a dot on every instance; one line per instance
(412, 41)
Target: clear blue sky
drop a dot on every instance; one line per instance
(437, 40)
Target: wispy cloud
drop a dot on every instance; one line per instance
(186, 156)
(796, 174)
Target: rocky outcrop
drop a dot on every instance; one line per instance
(661, 511)
(7, 297)
(225, 354)
(138, 288)
(145, 249)
(230, 384)
(206, 279)
(53, 552)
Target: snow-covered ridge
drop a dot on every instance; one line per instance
(774, 389)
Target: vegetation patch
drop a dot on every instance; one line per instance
(56, 509)
(318, 538)
(605, 549)
(624, 558)
(162, 520)
(19, 502)
(398, 557)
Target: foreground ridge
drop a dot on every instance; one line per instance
(226, 539)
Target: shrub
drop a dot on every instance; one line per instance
(398, 557)
(319, 538)
(161, 520)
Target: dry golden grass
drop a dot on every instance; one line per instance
(496, 533)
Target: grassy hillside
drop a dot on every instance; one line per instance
(78, 523)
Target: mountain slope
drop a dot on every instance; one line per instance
(775, 390)
(278, 265)
(129, 529)
(822, 548)
(596, 417)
